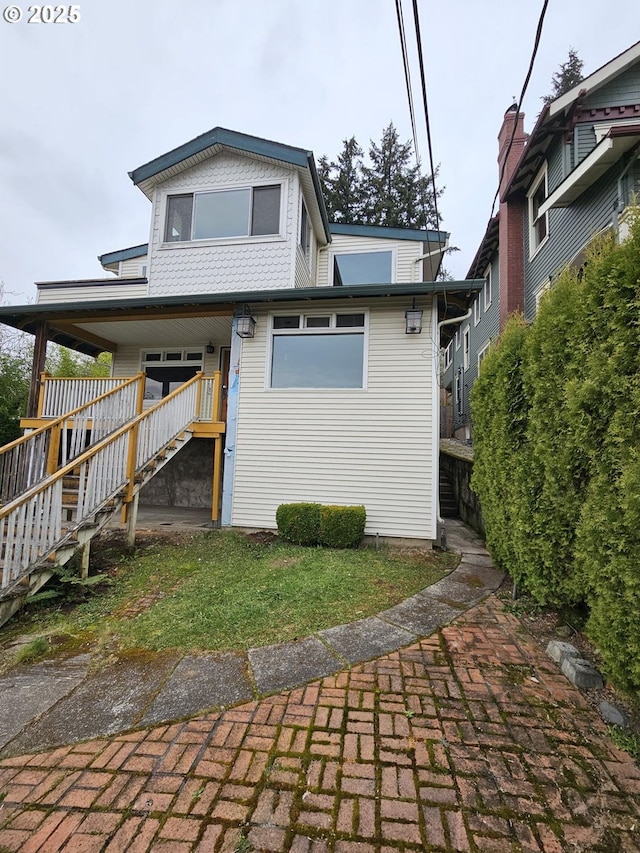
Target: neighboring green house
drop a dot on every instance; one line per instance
(572, 178)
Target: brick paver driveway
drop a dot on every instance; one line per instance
(470, 740)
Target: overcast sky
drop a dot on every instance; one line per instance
(84, 103)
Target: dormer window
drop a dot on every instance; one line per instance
(246, 212)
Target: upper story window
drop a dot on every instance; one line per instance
(538, 223)
(362, 268)
(466, 347)
(448, 355)
(305, 232)
(318, 350)
(487, 295)
(476, 311)
(247, 212)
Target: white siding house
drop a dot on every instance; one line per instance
(334, 397)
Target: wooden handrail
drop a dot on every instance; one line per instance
(52, 424)
(92, 451)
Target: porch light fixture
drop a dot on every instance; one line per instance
(246, 324)
(210, 348)
(413, 319)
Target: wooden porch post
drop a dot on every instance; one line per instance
(132, 518)
(37, 367)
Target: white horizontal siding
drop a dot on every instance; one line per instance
(227, 265)
(405, 254)
(126, 361)
(132, 266)
(86, 293)
(373, 447)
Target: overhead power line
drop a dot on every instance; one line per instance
(407, 77)
(423, 82)
(536, 44)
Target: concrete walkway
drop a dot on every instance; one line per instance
(468, 740)
(61, 702)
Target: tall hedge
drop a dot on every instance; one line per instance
(556, 413)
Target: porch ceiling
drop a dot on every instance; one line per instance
(184, 331)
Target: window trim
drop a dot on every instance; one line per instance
(482, 353)
(361, 251)
(306, 247)
(315, 330)
(183, 361)
(545, 287)
(221, 241)
(457, 338)
(448, 355)
(466, 346)
(477, 311)
(487, 288)
(459, 391)
(534, 246)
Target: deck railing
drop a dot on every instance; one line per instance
(59, 395)
(27, 460)
(31, 527)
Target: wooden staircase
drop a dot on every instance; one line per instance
(53, 519)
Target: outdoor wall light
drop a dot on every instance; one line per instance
(246, 324)
(413, 318)
(210, 348)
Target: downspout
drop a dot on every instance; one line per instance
(439, 519)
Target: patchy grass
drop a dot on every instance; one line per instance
(626, 740)
(221, 590)
(33, 651)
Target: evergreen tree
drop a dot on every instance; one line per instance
(566, 77)
(396, 193)
(341, 182)
(389, 191)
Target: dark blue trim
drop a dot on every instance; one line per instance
(220, 136)
(389, 232)
(124, 254)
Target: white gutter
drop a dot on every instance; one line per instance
(442, 248)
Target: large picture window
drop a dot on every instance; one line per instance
(318, 351)
(246, 212)
(362, 268)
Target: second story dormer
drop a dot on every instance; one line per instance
(232, 212)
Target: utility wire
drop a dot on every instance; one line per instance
(416, 20)
(407, 77)
(536, 44)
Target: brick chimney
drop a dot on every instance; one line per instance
(511, 228)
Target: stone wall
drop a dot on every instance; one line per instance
(186, 480)
(457, 466)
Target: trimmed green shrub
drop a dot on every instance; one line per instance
(299, 523)
(556, 412)
(500, 417)
(342, 526)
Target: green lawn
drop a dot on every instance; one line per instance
(221, 590)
